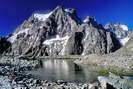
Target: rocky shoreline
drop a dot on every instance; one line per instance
(13, 76)
(119, 62)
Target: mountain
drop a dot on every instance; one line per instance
(45, 34)
(120, 31)
(97, 39)
(128, 48)
(61, 32)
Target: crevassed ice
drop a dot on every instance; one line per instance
(57, 38)
(124, 27)
(42, 17)
(14, 37)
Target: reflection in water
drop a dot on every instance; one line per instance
(131, 78)
(54, 70)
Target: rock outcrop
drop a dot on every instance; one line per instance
(115, 82)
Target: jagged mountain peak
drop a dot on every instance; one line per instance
(70, 10)
(89, 19)
(119, 26)
(61, 32)
(56, 19)
(46, 32)
(41, 17)
(120, 31)
(60, 10)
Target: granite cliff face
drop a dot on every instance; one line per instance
(97, 39)
(61, 32)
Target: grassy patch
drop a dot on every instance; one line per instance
(106, 72)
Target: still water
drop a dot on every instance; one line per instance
(66, 70)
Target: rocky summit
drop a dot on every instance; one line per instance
(61, 32)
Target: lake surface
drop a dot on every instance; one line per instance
(66, 70)
(131, 78)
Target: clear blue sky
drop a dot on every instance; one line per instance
(14, 12)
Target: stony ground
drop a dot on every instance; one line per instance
(121, 62)
(13, 76)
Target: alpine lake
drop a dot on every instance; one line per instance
(66, 70)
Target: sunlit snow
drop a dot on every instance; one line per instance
(14, 37)
(124, 27)
(124, 40)
(66, 10)
(57, 38)
(85, 21)
(42, 17)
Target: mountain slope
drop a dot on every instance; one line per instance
(128, 48)
(120, 31)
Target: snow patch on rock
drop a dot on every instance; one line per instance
(86, 20)
(56, 41)
(124, 40)
(42, 17)
(124, 27)
(57, 38)
(14, 37)
(66, 10)
(120, 31)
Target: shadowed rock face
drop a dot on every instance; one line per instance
(4, 45)
(61, 32)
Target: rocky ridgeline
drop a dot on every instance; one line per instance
(61, 32)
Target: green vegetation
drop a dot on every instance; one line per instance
(106, 72)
